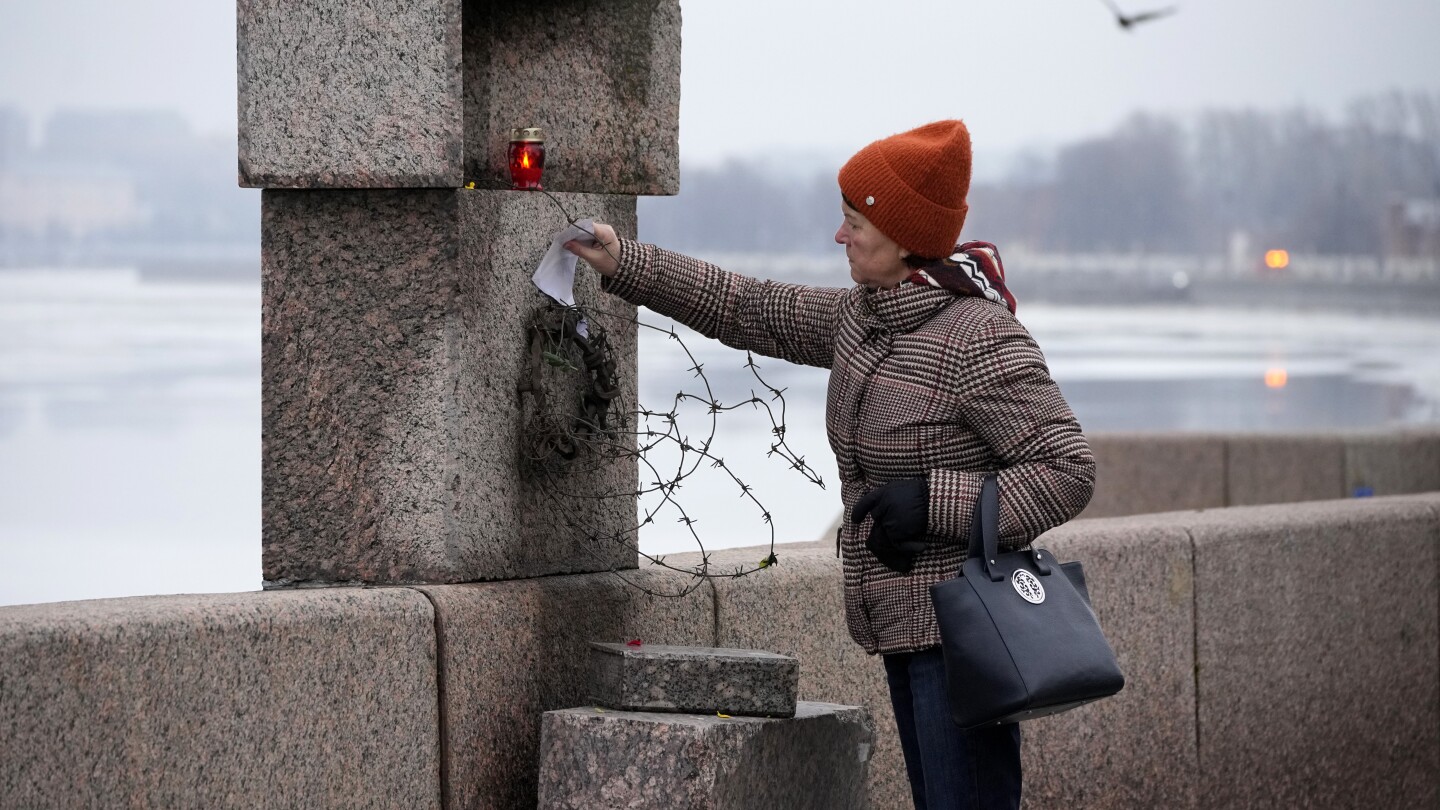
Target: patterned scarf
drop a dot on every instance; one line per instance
(973, 269)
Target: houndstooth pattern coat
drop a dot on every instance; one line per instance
(923, 382)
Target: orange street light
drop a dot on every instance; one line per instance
(1277, 259)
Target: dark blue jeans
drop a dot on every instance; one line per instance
(949, 768)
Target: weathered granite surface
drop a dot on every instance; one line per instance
(1284, 469)
(592, 758)
(1138, 473)
(510, 651)
(1393, 463)
(361, 94)
(394, 339)
(663, 678)
(318, 698)
(796, 607)
(602, 80)
(1316, 647)
(1136, 749)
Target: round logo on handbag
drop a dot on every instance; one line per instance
(1028, 586)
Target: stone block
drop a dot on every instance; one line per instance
(1141, 473)
(1136, 749)
(602, 80)
(796, 607)
(1284, 469)
(363, 94)
(703, 680)
(319, 698)
(396, 443)
(595, 759)
(1392, 463)
(1316, 652)
(510, 651)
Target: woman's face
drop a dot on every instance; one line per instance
(875, 259)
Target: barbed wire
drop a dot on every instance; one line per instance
(588, 441)
(560, 447)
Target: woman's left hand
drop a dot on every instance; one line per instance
(901, 512)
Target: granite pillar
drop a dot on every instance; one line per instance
(395, 437)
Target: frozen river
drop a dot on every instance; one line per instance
(130, 417)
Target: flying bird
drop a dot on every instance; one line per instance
(1127, 21)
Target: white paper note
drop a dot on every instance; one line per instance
(556, 275)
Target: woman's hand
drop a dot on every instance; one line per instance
(603, 253)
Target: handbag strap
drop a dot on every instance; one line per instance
(985, 531)
(985, 526)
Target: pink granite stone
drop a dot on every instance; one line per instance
(394, 343)
(361, 94)
(316, 698)
(592, 758)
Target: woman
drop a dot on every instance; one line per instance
(933, 384)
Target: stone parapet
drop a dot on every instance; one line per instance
(1138, 473)
(1316, 642)
(286, 700)
(1393, 462)
(1137, 749)
(1141, 473)
(396, 440)
(1278, 468)
(818, 758)
(704, 680)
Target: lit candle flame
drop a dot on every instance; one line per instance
(1277, 259)
(525, 159)
(1276, 378)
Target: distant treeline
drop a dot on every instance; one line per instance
(1154, 184)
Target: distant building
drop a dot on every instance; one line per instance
(1412, 229)
(14, 136)
(40, 199)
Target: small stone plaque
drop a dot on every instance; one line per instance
(702, 680)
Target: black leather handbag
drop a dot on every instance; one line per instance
(1018, 635)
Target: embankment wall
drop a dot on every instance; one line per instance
(1277, 655)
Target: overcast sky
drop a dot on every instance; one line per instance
(826, 77)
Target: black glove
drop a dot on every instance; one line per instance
(901, 512)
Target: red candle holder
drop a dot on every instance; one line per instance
(527, 158)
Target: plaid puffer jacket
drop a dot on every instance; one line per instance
(923, 382)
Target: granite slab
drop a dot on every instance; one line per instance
(596, 758)
(1317, 647)
(1140, 473)
(665, 678)
(317, 698)
(601, 79)
(1284, 469)
(361, 94)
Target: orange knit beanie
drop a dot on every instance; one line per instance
(912, 186)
